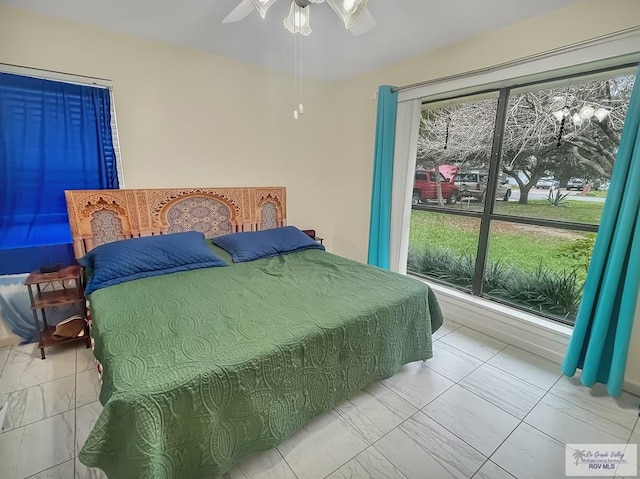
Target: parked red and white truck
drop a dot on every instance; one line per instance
(425, 185)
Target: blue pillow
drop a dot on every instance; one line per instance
(251, 245)
(126, 260)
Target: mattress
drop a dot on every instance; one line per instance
(202, 368)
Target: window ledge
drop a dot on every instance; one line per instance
(517, 314)
(532, 333)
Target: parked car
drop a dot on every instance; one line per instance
(424, 188)
(504, 189)
(575, 184)
(547, 182)
(473, 184)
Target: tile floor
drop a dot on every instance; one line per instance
(481, 408)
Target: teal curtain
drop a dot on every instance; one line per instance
(380, 224)
(602, 333)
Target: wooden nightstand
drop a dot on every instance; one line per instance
(46, 296)
(312, 234)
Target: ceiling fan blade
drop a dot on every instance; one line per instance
(365, 23)
(244, 8)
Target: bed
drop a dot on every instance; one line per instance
(202, 368)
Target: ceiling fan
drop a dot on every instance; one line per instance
(357, 19)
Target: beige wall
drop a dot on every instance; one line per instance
(187, 118)
(633, 361)
(353, 169)
(356, 134)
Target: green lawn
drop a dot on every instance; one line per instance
(597, 194)
(457, 233)
(571, 210)
(522, 246)
(445, 246)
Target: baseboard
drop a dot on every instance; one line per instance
(532, 333)
(632, 387)
(9, 340)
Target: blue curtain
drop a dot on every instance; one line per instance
(380, 224)
(53, 136)
(602, 333)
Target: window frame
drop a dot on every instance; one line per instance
(487, 215)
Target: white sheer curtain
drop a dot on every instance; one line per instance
(404, 165)
(115, 139)
(7, 338)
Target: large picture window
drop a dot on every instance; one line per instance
(524, 175)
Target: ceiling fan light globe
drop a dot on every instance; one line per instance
(262, 6)
(587, 112)
(577, 119)
(348, 10)
(298, 20)
(601, 113)
(349, 5)
(559, 115)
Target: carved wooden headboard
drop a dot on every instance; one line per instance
(101, 216)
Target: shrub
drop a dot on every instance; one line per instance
(494, 275)
(580, 251)
(443, 264)
(559, 199)
(542, 289)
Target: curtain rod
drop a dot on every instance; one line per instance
(66, 77)
(519, 61)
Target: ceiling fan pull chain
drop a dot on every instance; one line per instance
(297, 71)
(296, 79)
(298, 23)
(566, 111)
(446, 135)
(564, 119)
(300, 106)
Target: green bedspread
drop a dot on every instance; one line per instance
(204, 367)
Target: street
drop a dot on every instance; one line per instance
(542, 194)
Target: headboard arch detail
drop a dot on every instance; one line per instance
(99, 216)
(211, 214)
(270, 210)
(106, 211)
